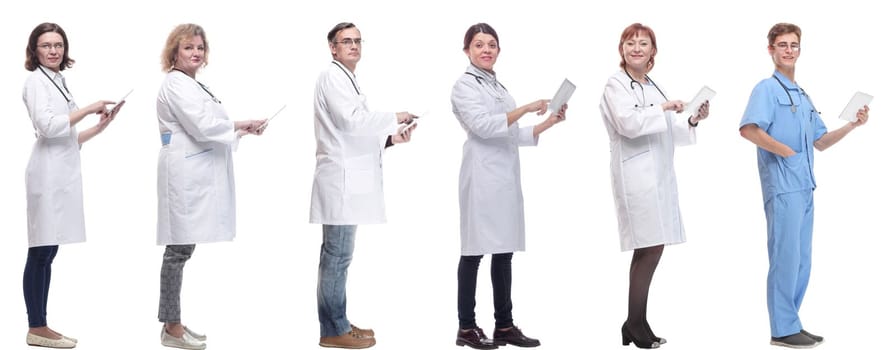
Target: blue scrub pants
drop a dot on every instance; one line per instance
(789, 217)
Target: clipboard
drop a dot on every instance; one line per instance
(705, 94)
(858, 101)
(561, 97)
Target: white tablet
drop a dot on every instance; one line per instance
(561, 97)
(705, 94)
(858, 101)
(117, 106)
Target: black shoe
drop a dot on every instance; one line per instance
(514, 336)
(796, 341)
(474, 338)
(817, 338)
(627, 338)
(655, 338)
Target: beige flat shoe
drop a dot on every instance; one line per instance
(62, 343)
(70, 338)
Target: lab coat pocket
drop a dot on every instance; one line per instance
(639, 176)
(635, 147)
(361, 174)
(199, 171)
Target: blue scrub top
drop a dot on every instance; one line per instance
(770, 109)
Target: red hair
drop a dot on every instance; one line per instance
(636, 29)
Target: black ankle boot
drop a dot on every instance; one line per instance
(628, 338)
(655, 338)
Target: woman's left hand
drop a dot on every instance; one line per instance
(404, 134)
(105, 119)
(245, 127)
(861, 117)
(702, 113)
(559, 116)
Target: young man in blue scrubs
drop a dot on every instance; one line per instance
(783, 123)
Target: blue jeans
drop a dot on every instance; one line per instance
(36, 283)
(335, 257)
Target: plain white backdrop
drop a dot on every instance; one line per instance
(569, 286)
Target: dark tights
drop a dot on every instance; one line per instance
(644, 262)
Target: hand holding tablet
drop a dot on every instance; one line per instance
(858, 101)
(114, 110)
(704, 95)
(265, 124)
(561, 97)
(407, 126)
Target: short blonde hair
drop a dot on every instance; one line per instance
(179, 34)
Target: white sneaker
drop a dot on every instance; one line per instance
(185, 342)
(61, 343)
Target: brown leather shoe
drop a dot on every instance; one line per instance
(350, 340)
(514, 336)
(474, 338)
(362, 331)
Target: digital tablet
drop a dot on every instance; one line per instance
(705, 94)
(858, 101)
(561, 97)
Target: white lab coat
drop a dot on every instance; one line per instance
(195, 170)
(348, 179)
(491, 197)
(642, 146)
(53, 176)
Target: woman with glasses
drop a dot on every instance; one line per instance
(785, 126)
(491, 198)
(644, 127)
(195, 170)
(53, 177)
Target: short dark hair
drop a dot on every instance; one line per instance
(781, 29)
(31, 59)
(338, 28)
(480, 28)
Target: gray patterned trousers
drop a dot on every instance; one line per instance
(173, 262)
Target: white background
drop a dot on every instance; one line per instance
(569, 286)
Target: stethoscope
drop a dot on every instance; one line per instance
(200, 85)
(349, 77)
(789, 97)
(67, 100)
(495, 93)
(643, 97)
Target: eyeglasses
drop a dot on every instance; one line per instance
(350, 41)
(783, 46)
(47, 46)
